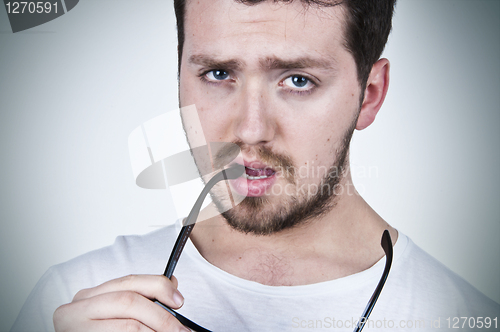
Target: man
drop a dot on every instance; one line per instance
(288, 83)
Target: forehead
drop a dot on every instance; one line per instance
(267, 29)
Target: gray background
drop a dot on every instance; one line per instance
(73, 89)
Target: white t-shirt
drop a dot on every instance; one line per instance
(420, 293)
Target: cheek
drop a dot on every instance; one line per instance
(315, 133)
(216, 123)
(314, 150)
(189, 90)
(213, 121)
(210, 124)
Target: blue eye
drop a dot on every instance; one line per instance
(298, 82)
(217, 75)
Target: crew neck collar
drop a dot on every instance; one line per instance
(368, 276)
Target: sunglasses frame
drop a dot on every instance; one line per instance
(234, 172)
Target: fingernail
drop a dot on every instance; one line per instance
(184, 329)
(178, 299)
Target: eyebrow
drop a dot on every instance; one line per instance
(299, 63)
(268, 63)
(210, 62)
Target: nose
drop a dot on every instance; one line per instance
(254, 122)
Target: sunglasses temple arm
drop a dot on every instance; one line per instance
(189, 225)
(179, 246)
(387, 245)
(183, 320)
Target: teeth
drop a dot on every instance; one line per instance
(254, 177)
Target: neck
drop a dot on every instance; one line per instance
(343, 242)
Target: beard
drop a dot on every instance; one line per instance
(261, 216)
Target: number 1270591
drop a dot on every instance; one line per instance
(31, 7)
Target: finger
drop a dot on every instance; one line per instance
(119, 325)
(174, 280)
(156, 287)
(125, 325)
(110, 325)
(116, 306)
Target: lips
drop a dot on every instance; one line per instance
(256, 180)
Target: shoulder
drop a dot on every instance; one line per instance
(132, 254)
(432, 285)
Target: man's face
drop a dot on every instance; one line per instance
(276, 80)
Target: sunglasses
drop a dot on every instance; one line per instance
(231, 173)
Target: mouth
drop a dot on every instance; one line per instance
(252, 173)
(257, 179)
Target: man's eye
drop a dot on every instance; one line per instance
(217, 75)
(298, 82)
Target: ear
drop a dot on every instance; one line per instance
(376, 89)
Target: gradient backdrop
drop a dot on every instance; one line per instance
(73, 89)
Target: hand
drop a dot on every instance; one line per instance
(123, 304)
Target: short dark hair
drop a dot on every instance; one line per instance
(368, 23)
